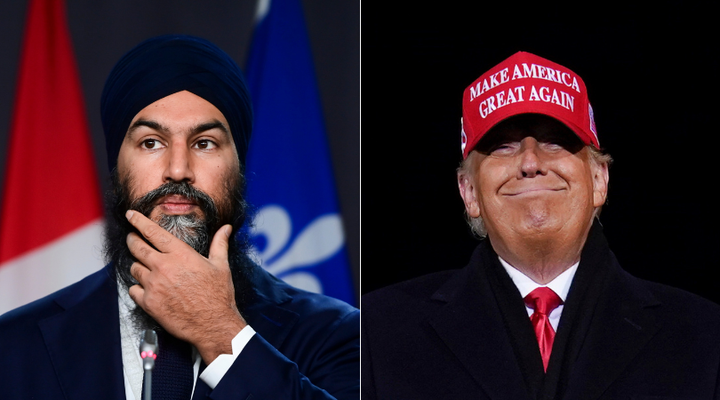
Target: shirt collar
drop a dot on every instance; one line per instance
(560, 285)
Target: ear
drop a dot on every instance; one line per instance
(600, 184)
(467, 192)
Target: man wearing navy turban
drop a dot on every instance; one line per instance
(177, 119)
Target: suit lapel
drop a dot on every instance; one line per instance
(470, 325)
(265, 315)
(84, 340)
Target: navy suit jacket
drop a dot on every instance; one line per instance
(67, 346)
(465, 334)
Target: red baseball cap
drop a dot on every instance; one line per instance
(525, 83)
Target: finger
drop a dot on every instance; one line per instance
(137, 294)
(218, 253)
(139, 272)
(142, 251)
(159, 237)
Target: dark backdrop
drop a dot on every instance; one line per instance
(651, 74)
(102, 31)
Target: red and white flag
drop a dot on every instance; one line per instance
(51, 215)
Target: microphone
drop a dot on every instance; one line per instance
(149, 349)
(148, 352)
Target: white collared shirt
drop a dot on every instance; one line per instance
(560, 285)
(130, 338)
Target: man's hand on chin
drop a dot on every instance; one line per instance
(191, 296)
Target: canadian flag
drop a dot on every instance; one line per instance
(51, 215)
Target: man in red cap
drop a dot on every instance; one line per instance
(543, 310)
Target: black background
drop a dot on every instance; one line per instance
(651, 74)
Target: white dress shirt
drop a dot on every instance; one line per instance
(130, 337)
(560, 285)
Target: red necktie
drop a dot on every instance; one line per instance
(543, 300)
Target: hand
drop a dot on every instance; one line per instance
(191, 296)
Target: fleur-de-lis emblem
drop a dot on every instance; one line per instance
(322, 238)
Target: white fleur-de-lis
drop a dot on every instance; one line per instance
(318, 241)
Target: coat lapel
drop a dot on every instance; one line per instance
(609, 319)
(471, 326)
(84, 341)
(620, 328)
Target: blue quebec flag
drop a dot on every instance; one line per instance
(298, 233)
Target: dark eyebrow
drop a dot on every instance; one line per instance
(211, 125)
(150, 124)
(154, 125)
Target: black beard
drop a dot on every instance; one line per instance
(194, 229)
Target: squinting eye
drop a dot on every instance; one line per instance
(505, 148)
(552, 146)
(205, 144)
(151, 144)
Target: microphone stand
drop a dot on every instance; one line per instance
(148, 384)
(148, 352)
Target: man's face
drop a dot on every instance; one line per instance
(534, 182)
(178, 165)
(179, 138)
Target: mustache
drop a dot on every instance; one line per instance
(147, 202)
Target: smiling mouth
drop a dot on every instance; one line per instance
(533, 191)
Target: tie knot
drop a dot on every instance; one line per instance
(543, 300)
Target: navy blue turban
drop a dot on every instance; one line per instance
(161, 66)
